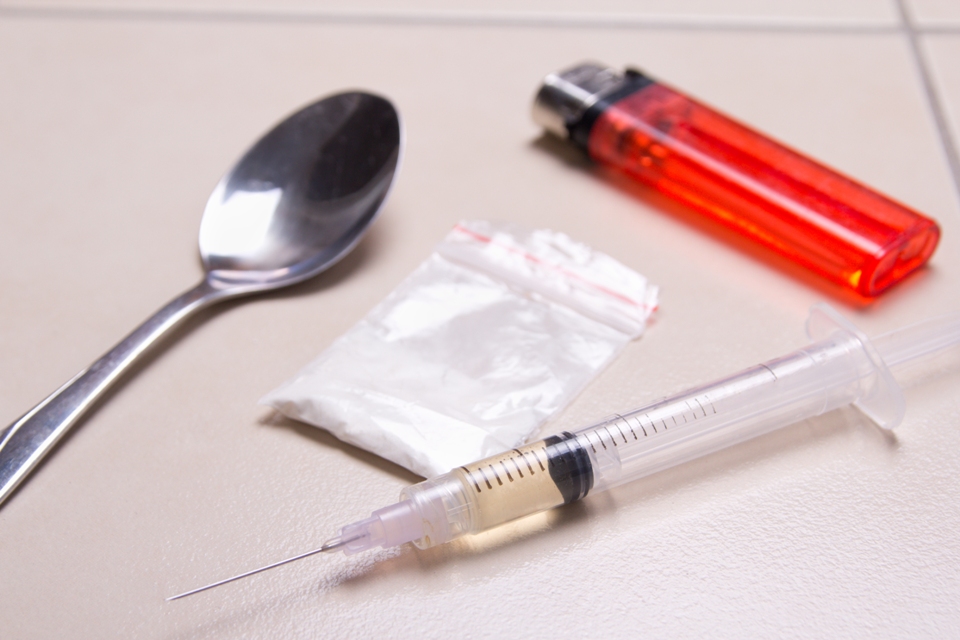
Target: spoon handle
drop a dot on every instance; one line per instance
(25, 442)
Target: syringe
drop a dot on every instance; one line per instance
(839, 368)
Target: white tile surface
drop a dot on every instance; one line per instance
(935, 13)
(113, 131)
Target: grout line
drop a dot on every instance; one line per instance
(473, 18)
(933, 97)
(938, 29)
(462, 18)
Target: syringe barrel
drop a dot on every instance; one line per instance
(837, 370)
(823, 376)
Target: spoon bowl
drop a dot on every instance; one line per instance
(296, 202)
(302, 196)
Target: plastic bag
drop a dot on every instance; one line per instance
(495, 332)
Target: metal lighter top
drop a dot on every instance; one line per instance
(566, 95)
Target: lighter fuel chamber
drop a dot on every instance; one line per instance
(778, 198)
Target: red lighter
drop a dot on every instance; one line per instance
(802, 210)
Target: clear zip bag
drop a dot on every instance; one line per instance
(488, 338)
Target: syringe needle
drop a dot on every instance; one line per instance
(329, 545)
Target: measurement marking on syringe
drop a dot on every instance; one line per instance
(701, 407)
(496, 475)
(472, 479)
(600, 438)
(613, 440)
(772, 372)
(507, 471)
(652, 426)
(621, 433)
(640, 424)
(514, 461)
(485, 478)
(591, 441)
(627, 422)
(539, 461)
(710, 402)
(524, 457)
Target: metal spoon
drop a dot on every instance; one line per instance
(293, 205)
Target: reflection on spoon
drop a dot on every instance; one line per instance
(241, 221)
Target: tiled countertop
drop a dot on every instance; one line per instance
(117, 119)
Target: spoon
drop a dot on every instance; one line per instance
(295, 203)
